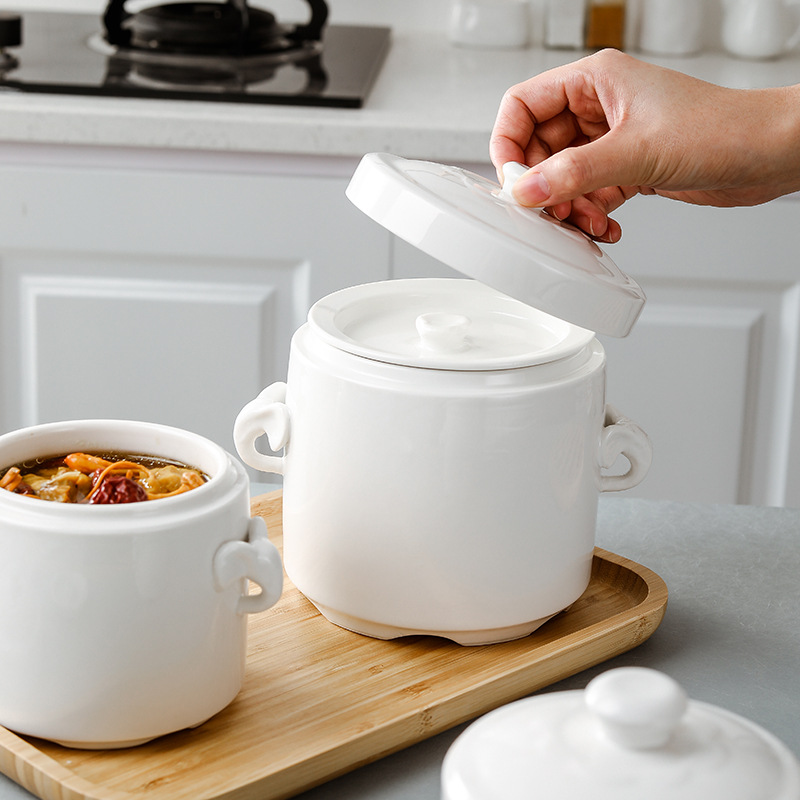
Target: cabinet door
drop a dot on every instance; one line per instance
(716, 355)
(164, 295)
(712, 368)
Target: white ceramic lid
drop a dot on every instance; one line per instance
(442, 323)
(474, 226)
(631, 734)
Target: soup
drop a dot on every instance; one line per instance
(100, 478)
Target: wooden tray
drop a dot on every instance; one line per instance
(319, 701)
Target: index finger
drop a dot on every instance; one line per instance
(513, 129)
(524, 107)
(566, 91)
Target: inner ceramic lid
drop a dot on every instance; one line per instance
(476, 227)
(443, 324)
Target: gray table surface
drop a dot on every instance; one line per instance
(731, 634)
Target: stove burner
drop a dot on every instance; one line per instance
(217, 45)
(163, 55)
(172, 73)
(204, 27)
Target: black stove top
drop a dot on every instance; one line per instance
(194, 51)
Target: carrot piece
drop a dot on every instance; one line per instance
(11, 479)
(83, 462)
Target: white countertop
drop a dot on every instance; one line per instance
(431, 100)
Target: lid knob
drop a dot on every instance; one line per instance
(512, 172)
(443, 332)
(638, 708)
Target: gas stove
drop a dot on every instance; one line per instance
(226, 51)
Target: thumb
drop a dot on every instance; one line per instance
(576, 171)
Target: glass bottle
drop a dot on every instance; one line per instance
(605, 25)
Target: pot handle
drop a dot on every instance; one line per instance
(622, 437)
(267, 414)
(256, 559)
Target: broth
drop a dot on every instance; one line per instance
(100, 478)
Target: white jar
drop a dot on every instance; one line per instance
(124, 622)
(494, 24)
(443, 440)
(672, 27)
(565, 24)
(443, 447)
(759, 29)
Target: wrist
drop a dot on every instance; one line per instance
(777, 135)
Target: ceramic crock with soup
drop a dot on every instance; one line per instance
(121, 623)
(444, 441)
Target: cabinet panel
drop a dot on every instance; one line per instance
(156, 339)
(164, 295)
(189, 214)
(746, 260)
(153, 350)
(685, 377)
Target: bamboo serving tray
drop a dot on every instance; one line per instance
(319, 701)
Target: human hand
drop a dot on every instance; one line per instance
(608, 127)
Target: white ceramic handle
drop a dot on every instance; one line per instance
(267, 414)
(512, 172)
(638, 708)
(258, 560)
(441, 332)
(621, 437)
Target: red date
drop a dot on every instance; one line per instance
(118, 489)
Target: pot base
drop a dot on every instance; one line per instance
(377, 630)
(103, 745)
(120, 745)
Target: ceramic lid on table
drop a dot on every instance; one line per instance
(631, 734)
(475, 226)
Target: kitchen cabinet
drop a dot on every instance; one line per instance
(168, 292)
(166, 287)
(717, 350)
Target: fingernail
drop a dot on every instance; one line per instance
(531, 189)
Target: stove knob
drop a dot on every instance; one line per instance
(10, 29)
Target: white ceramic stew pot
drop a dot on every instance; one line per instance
(124, 622)
(443, 446)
